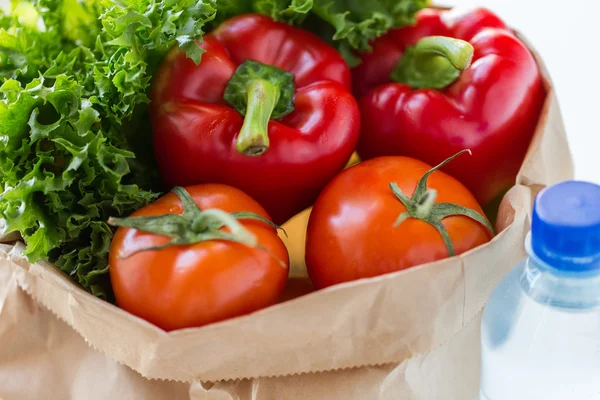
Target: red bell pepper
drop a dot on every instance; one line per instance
(268, 110)
(451, 82)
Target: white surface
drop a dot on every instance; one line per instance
(567, 35)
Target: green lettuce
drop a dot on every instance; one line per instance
(349, 24)
(73, 115)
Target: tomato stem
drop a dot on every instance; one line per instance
(194, 225)
(422, 206)
(198, 225)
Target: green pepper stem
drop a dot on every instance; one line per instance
(259, 92)
(434, 62)
(458, 52)
(262, 96)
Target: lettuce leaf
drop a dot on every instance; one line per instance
(73, 115)
(349, 24)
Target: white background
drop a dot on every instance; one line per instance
(567, 35)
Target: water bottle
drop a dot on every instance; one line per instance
(540, 334)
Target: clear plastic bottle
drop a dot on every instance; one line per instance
(540, 334)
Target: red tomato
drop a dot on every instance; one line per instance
(193, 285)
(351, 233)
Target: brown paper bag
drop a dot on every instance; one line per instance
(414, 333)
(43, 358)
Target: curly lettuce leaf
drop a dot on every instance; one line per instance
(349, 24)
(73, 109)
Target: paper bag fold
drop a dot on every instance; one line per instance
(373, 321)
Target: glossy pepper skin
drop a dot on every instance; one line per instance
(196, 131)
(492, 108)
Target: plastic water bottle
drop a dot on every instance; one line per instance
(540, 335)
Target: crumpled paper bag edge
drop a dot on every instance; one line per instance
(354, 367)
(29, 293)
(389, 361)
(358, 366)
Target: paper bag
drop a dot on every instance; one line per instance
(412, 334)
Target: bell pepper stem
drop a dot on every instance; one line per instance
(259, 92)
(458, 52)
(262, 96)
(434, 62)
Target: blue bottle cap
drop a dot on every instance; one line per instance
(565, 229)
